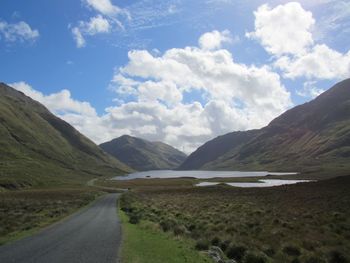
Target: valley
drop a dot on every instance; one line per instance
(278, 194)
(175, 131)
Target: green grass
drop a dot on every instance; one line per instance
(297, 223)
(38, 149)
(23, 213)
(145, 243)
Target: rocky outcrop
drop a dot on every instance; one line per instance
(218, 256)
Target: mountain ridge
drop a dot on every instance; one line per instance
(144, 155)
(309, 138)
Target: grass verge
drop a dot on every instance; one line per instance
(145, 243)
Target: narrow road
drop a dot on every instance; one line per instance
(91, 235)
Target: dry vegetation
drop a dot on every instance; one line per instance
(298, 223)
(23, 212)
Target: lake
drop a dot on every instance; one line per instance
(260, 183)
(194, 174)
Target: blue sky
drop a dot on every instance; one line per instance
(178, 71)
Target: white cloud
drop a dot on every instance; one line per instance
(105, 20)
(310, 90)
(234, 97)
(214, 39)
(286, 32)
(20, 31)
(164, 91)
(79, 114)
(95, 25)
(78, 37)
(321, 62)
(104, 7)
(61, 102)
(285, 29)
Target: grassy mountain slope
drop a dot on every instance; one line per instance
(313, 137)
(215, 148)
(143, 155)
(37, 147)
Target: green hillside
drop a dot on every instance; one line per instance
(144, 155)
(310, 138)
(38, 148)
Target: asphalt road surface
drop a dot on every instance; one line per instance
(91, 235)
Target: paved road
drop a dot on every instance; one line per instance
(89, 236)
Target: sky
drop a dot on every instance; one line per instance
(177, 71)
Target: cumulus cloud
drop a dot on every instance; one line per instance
(321, 62)
(61, 102)
(214, 39)
(284, 29)
(20, 31)
(95, 25)
(285, 32)
(234, 96)
(103, 22)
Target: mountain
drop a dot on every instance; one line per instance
(37, 148)
(313, 137)
(144, 155)
(215, 148)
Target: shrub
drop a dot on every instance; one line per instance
(254, 258)
(337, 257)
(315, 259)
(269, 251)
(236, 252)
(191, 227)
(291, 251)
(215, 241)
(134, 219)
(167, 224)
(224, 245)
(179, 230)
(202, 244)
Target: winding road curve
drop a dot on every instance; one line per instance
(92, 235)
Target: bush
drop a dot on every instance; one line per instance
(215, 241)
(179, 230)
(291, 251)
(134, 219)
(224, 245)
(191, 227)
(167, 225)
(236, 252)
(270, 252)
(202, 244)
(337, 257)
(254, 258)
(315, 259)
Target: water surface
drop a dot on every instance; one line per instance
(194, 174)
(260, 183)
